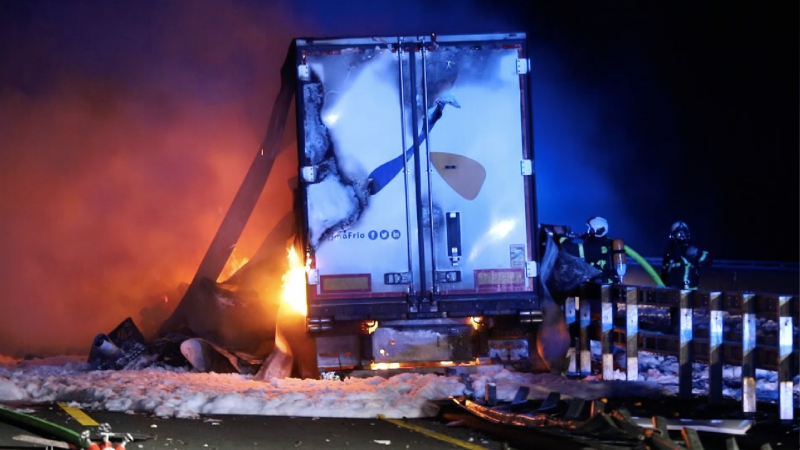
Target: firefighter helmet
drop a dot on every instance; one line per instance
(679, 231)
(598, 226)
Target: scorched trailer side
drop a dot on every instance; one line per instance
(416, 197)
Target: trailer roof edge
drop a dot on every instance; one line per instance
(377, 40)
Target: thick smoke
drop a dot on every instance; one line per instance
(127, 128)
(119, 163)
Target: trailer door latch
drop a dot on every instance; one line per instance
(453, 220)
(448, 276)
(397, 278)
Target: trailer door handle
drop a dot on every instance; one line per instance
(454, 237)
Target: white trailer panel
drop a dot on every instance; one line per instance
(415, 157)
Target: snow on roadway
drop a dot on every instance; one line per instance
(170, 393)
(184, 394)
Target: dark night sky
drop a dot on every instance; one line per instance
(127, 127)
(682, 111)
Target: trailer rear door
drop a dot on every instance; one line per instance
(417, 193)
(479, 168)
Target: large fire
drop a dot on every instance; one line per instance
(294, 283)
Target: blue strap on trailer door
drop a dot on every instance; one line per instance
(386, 172)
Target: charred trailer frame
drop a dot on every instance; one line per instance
(416, 198)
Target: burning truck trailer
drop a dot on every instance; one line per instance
(414, 230)
(416, 200)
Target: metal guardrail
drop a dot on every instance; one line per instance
(780, 266)
(601, 300)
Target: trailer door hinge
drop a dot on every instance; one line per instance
(309, 174)
(523, 66)
(526, 167)
(531, 269)
(312, 276)
(304, 72)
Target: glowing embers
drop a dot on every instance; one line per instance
(476, 322)
(294, 283)
(420, 365)
(370, 326)
(384, 366)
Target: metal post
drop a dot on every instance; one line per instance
(490, 393)
(687, 347)
(749, 355)
(715, 348)
(607, 320)
(585, 346)
(569, 312)
(632, 332)
(785, 399)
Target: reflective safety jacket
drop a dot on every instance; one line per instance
(681, 265)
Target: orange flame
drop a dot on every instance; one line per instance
(294, 283)
(232, 266)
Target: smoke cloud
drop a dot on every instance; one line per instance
(127, 128)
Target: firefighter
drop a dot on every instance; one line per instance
(682, 260)
(597, 249)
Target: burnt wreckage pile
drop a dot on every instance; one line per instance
(627, 423)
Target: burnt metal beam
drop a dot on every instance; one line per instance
(244, 202)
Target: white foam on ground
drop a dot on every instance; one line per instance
(169, 393)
